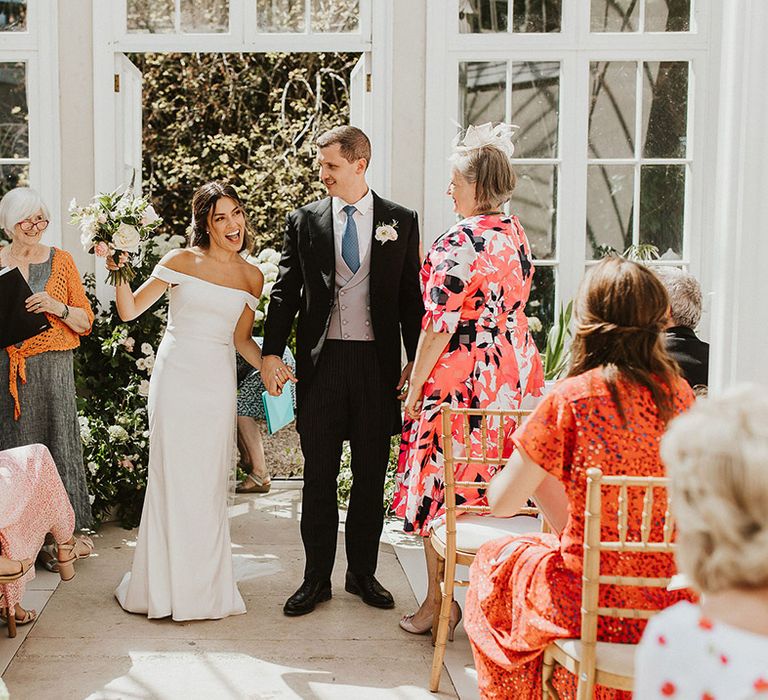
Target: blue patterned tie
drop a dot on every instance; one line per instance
(350, 249)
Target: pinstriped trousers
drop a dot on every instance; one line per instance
(346, 400)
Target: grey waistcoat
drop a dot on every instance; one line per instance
(351, 313)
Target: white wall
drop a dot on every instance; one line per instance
(76, 114)
(409, 33)
(739, 252)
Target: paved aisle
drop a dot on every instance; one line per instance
(85, 646)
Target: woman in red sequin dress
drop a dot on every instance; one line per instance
(610, 413)
(475, 348)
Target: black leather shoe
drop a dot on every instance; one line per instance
(370, 590)
(310, 593)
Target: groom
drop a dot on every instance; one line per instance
(350, 269)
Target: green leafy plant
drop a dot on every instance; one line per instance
(558, 348)
(344, 481)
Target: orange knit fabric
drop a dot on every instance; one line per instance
(64, 285)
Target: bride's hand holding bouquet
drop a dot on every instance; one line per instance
(114, 226)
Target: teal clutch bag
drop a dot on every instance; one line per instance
(278, 409)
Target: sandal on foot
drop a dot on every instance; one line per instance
(46, 558)
(24, 566)
(257, 485)
(67, 565)
(29, 616)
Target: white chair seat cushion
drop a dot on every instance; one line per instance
(473, 531)
(618, 659)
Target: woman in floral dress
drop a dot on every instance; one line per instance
(525, 591)
(475, 349)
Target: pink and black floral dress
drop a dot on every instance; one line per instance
(476, 280)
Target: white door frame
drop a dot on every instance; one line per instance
(109, 38)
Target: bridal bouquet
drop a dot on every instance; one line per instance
(115, 225)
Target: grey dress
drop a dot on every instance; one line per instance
(48, 411)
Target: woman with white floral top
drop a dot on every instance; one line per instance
(717, 650)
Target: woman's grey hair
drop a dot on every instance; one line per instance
(18, 204)
(684, 293)
(716, 456)
(490, 170)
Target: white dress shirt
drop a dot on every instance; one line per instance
(363, 220)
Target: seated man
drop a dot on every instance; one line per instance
(691, 353)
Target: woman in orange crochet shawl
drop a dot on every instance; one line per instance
(37, 384)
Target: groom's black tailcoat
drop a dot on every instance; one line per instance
(345, 390)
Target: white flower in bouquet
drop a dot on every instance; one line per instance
(149, 216)
(88, 232)
(127, 238)
(147, 349)
(258, 315)
(267, 255)
(149, 363)
(177, 240)
(144, 388)
(141, 363)
(267, 291)
(117, 433)
(93, 468)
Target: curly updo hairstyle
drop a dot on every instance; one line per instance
(716, 456)
(203, 203)
(621, 311)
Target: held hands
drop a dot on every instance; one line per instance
(274, 374)
(44, 303)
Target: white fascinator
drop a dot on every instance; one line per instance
(475, 137)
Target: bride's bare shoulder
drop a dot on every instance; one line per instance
(180, 260)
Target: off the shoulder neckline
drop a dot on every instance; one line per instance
(200, 279)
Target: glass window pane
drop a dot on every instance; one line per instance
(665, 109)
(534, 201)
(335, 15)
(610, 196)
(615, 15)
(13, 16)
(667, 15)
(204, 16)
(535, 95)
(541, 302)
(150, 16)
(280, 15)
(14, 116)
(477, 16)
(482, 88)
(662, 208)
(536, 15)
(612, 109)
(13, 175)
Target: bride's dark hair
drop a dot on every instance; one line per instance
(203, 201)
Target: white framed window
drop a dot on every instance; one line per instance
(29, 127)
(243, 25)
(609, 97)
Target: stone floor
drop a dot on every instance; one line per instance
(85, 646)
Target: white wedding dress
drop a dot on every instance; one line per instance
(183, 566)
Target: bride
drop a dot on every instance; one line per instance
(183, 566)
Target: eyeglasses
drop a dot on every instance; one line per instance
(28, 225)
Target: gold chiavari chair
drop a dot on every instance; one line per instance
(458, 539)
(609, 664)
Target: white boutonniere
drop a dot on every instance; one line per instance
(386, 232)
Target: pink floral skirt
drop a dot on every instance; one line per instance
(33, 502)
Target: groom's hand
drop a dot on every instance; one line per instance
(405, 376)
(274, 374)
